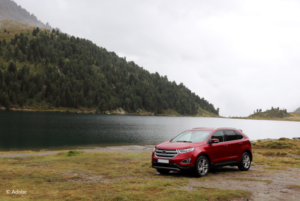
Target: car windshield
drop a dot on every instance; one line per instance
(192, 136)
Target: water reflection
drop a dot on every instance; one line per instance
(46, 130)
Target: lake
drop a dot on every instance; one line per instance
(49, 130)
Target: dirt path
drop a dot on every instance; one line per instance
(265, 184)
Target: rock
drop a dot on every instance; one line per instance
(284, 191)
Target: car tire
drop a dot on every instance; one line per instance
(245, 163)
(202, 166)
(163, 171)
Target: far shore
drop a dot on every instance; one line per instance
(119, 111)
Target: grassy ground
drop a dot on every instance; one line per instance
(77, 175)
(12, 28)
(277, 154)
(98, 176)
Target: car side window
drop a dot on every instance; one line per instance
(239, 136)
(218, 135)
(230, 135)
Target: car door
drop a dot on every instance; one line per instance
(218, 151)
(233, 144)
(242, 144)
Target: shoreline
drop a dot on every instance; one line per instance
(119, 111)
(93, 111)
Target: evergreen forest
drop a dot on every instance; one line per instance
(47, 66)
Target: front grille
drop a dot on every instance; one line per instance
(166, 153)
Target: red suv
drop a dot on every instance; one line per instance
(200, 149)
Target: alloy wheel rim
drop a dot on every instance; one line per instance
(202, 166)
(246, 161)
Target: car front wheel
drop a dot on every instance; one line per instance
(245, 162)
(202, 166)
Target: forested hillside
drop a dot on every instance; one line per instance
(49, 67)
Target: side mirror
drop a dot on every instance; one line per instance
(214, 140)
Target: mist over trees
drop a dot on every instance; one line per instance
(72, 72)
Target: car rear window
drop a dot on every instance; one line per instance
(230, 135)
(239, 136)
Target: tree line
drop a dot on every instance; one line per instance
(73, 72)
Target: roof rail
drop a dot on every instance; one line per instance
(199, 127)
(226, 127)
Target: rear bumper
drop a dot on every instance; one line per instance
(171, 166)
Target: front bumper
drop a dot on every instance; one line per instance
(171, 166)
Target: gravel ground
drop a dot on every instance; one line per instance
(224, 178)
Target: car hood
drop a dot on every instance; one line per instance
(177, 145)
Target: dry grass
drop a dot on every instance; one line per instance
(295, 186)
(98, 176)
(251, 179)
(277, 154)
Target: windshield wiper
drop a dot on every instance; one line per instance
(184, 141)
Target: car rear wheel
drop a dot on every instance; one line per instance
(245, 162)
(163, 171)
(202, 166)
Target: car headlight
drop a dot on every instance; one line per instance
(154, 149)
(181, 151)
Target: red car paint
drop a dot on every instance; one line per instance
(219, 154)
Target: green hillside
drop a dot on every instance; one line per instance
(43, 69)
(269, 114)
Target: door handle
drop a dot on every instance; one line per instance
(240, 143)
(225, 145)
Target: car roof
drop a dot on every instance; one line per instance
(203, 128)
(212, 129)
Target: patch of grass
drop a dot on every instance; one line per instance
(277, 162)
(74, 152)
(203, 193)
(272, 153)
(99, 176)
(295, 186)
(276, 168)
(279, 145)
(252, 179)
(282, 139)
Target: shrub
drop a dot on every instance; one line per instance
(271, 153)
(74, 153)
(279, 145)
(283, 138)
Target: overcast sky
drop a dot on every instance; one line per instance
(238, 55)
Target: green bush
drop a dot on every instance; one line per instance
(279, 145)
(283, 138)
(74, 152)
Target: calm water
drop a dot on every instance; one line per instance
(47, 130)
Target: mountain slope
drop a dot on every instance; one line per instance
(49, 67)
(9, 10)
(298, 110)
